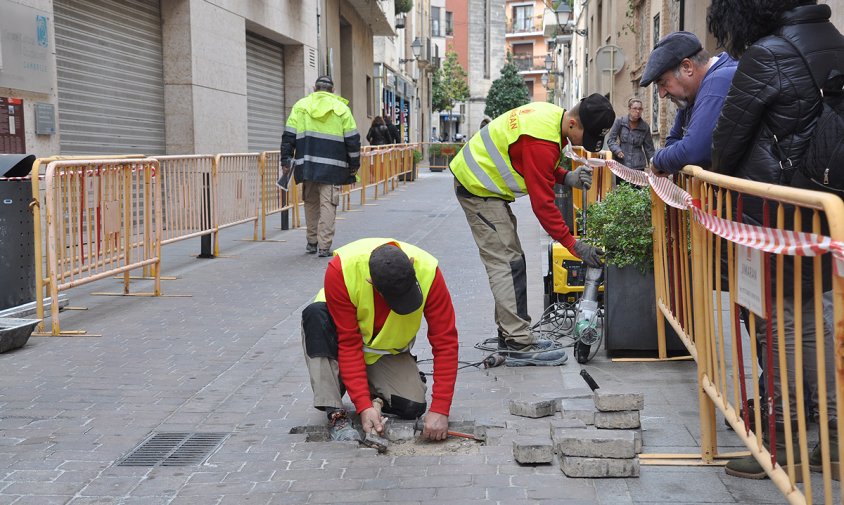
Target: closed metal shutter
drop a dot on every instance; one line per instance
(110, 76)
(264, 93)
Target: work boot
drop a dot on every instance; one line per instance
(748, 468)
(815, 461)
(537, 345)
(340, 427)
(311, 248)
(324, 253)
(533, 356)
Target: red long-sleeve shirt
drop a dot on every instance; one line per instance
(442, 334)
(536, 161)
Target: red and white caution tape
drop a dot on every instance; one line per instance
(770, 240)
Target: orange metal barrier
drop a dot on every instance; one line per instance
(103, 217)
(236, 192)
(187, 185)
(273, 199)
(700, 291)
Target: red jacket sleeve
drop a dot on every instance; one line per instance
(442, 334)
(349, 339)
(537, 162)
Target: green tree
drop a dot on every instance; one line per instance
(507, 92)
(449, 84)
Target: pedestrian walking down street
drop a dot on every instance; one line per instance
(322, 139)
(378, 134)
(358, 333)
(395, 135)
(516, 154)
(630, 138)
(787, 48)
(684, 73)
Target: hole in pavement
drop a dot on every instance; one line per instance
(403, 441)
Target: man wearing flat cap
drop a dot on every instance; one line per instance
(358, 333)
(322, 144)
(516, 154)
(697, 84)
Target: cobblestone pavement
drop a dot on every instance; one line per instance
(222, 353)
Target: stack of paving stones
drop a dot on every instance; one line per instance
(610, 448)
(596, 434)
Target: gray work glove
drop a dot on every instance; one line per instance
(580, 178)
(592, 256)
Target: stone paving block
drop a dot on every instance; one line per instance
(529, 450)
(398, 430)
(637, 437)
(624, 420)
(616, 400)
(618, 444)
(575, 393)
(599, 467)
(579, 408)
(533, 408)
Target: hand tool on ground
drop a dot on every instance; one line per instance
(589, 380)
(419, 426)
(372, 439)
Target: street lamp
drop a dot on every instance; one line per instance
(549, 61)
(564, 20)
(416, 48)
(544, 80)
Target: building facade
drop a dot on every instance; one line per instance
(526, 44)
(178, 76)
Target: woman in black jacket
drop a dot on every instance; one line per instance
(378, 134)
(761, 135)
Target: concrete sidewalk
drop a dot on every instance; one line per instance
(225, 357)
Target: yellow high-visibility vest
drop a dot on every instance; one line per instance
(399, 332)
(483, 166)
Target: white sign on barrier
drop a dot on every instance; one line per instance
(750, 279)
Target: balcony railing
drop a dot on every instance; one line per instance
(527, 25)
(529, 62)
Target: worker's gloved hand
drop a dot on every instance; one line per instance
(353, 172)
(436, 426)
(370, 420)
(284, 166)
(592, 256)
(580, 178)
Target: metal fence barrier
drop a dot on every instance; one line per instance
(731, 288)
(103, 217)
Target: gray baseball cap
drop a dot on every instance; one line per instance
(668, 54)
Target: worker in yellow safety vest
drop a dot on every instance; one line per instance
(358, 333)
(517, 154)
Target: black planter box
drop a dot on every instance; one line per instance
(630, 305)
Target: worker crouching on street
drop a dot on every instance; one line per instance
(358, 333)
(516, 154)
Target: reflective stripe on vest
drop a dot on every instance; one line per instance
(399, 332)
(483, 166)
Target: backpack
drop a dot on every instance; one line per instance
(823, 160)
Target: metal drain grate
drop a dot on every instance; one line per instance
(174, 449)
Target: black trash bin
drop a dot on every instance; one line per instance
(17, 243)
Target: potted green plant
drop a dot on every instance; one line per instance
(621, 226)
(411, 176)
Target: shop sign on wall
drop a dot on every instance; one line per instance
(12, 137)
(26, 59)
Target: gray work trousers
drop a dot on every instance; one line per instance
(321, 201)
(394, 377)
(493, 227)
